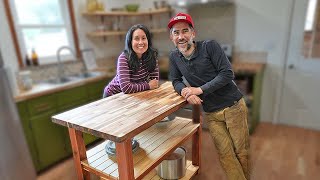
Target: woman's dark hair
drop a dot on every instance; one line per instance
(149, 57)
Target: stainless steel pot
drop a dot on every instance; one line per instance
(173, 166)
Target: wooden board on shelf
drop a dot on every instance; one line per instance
(106, 33)
(155, 143)
(161, 30)
(119, 33)
(126, 13)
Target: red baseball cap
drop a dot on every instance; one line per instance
(180, 17)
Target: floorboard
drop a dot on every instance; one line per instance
(278, 152)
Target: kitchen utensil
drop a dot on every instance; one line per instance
(24, 80)
(174, 165)
(132, 7)
(111, 147)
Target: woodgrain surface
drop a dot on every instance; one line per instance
(247, 67)
(278, 152)
(126, 13)
(154, 143)
(122, 116)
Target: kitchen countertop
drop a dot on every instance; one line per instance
(46, 88)
(247, 67)
(238, 66)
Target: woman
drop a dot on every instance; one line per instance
(137, 67)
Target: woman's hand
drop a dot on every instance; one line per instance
(153, 84)
(194, 99)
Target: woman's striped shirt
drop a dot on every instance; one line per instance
(128, 82)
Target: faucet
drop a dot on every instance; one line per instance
(60, 64)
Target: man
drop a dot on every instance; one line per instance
(210, 83)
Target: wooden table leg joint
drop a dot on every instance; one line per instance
(125, 160)
(79, 153)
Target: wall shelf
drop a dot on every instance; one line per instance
(126, 13)
(120, 33)
(120, 17)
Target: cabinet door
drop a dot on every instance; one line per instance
(257, 88)
(95, 90)
(70, 96)
(49, 139)
(86, 137)
(41, 104)
(24, 118)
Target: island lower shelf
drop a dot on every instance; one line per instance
(154, 144)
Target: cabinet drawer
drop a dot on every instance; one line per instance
(41, 104)
(72, 105)
(71, 95)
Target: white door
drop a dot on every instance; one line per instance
(300, 98)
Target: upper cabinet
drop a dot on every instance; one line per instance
(114, 23)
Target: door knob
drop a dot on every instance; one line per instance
(291, 66)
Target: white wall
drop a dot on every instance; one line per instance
(214, 21)
(263, 26)
(259, 26)
(112, 46)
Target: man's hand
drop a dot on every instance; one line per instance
(188, 91)
(193, 99)
(153, 84)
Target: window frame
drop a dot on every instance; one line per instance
(69, 18)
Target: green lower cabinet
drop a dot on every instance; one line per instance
(95, 90)
(88, 138)
(49, 139)
(72, 96)
(49, 142)
(24, 117)
(257, 86)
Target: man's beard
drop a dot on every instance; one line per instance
(189, 45)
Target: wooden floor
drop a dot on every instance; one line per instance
(278, 152)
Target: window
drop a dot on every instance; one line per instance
(42, 25)
(311, 43)
(310, 15)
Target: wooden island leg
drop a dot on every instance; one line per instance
(196, 137)
(125, 160)
(79, 153)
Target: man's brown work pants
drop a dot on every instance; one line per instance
(229, 129)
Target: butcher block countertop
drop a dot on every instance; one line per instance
(247, 67)
(46, 88)
(130, 113)
(122, 117)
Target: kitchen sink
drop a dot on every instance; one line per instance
(61, 80)
(89, 74)
(72, 78)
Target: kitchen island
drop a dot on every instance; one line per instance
(122, 117)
